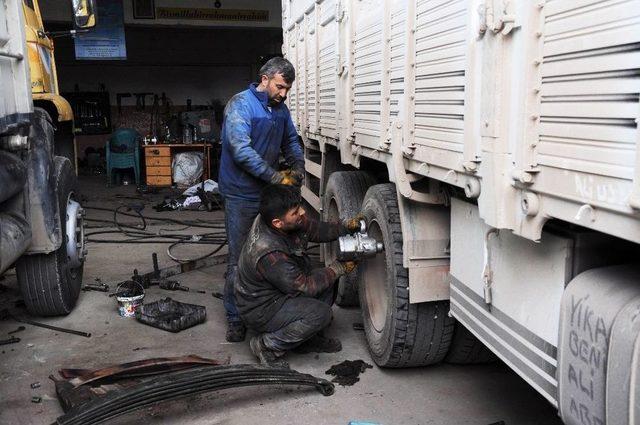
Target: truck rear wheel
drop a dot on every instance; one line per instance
(343, 199)
(467, 349)
(399, 334)
(50, 283)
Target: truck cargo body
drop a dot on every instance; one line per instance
(509, 126)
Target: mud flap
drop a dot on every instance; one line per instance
(591, 304)
(44, 208)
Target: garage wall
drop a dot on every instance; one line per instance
(201, 64)
(59, 11)
(201, 84)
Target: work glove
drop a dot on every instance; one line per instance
(353, 224)
(298, 175)
(288, 177)
(342, 268)
(278, 178)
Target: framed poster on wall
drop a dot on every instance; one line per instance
(144, 9)
(107, 40)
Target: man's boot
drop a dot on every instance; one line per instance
(236, 331)
(267, 357)
(319, 344)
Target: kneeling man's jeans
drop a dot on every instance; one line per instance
(299, 319)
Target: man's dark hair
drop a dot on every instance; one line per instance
(276, 200)
(278, 65)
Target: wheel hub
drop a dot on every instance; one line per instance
(375, 283)
(333, 215)
(76, 251)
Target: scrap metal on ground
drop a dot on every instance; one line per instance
(86, 401)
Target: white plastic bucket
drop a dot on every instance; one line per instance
(127, 305)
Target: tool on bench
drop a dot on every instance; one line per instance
(358, 246)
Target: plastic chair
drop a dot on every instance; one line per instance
(123, 151)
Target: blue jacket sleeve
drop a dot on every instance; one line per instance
(291, 147)
(237, 128)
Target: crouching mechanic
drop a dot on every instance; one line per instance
(278, 293)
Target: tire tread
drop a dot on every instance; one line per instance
(47, 286)
(423, 331)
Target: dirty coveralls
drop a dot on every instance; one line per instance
(253, 136)
(278, 293)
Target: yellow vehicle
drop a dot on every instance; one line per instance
(44, 77)
(41, 220)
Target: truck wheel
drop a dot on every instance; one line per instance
(50, 283)
(399, 334)
(343, 199)
(64, 142)
(467, 349)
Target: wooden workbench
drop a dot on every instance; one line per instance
(158, 158)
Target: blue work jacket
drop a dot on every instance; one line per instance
(253, 135)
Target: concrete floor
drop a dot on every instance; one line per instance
(442, 394)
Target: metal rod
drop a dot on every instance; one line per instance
(156, 269)
(19, 329)
(53, 328)
(11, 340)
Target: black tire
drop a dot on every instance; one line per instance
(399, 334)
(49, 285)
(343, 199)
(467, 349)
(64, 142)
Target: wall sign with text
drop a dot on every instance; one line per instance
(229, 15)
(106, 41)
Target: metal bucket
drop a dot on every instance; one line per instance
(130, 299)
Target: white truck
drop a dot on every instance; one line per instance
(41, 220)
(493, 147)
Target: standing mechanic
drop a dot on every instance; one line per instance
(257, 128)
(278, 293)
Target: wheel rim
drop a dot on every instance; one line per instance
(75, 233)
(374, 275)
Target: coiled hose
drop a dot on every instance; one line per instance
(138, 233)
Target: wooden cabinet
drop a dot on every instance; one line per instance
(158, 159)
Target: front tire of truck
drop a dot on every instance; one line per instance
(343, 199)
(64, 144)
(399, 334)
(50, 283)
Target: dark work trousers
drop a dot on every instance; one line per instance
(298, 319)
(239, 215)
